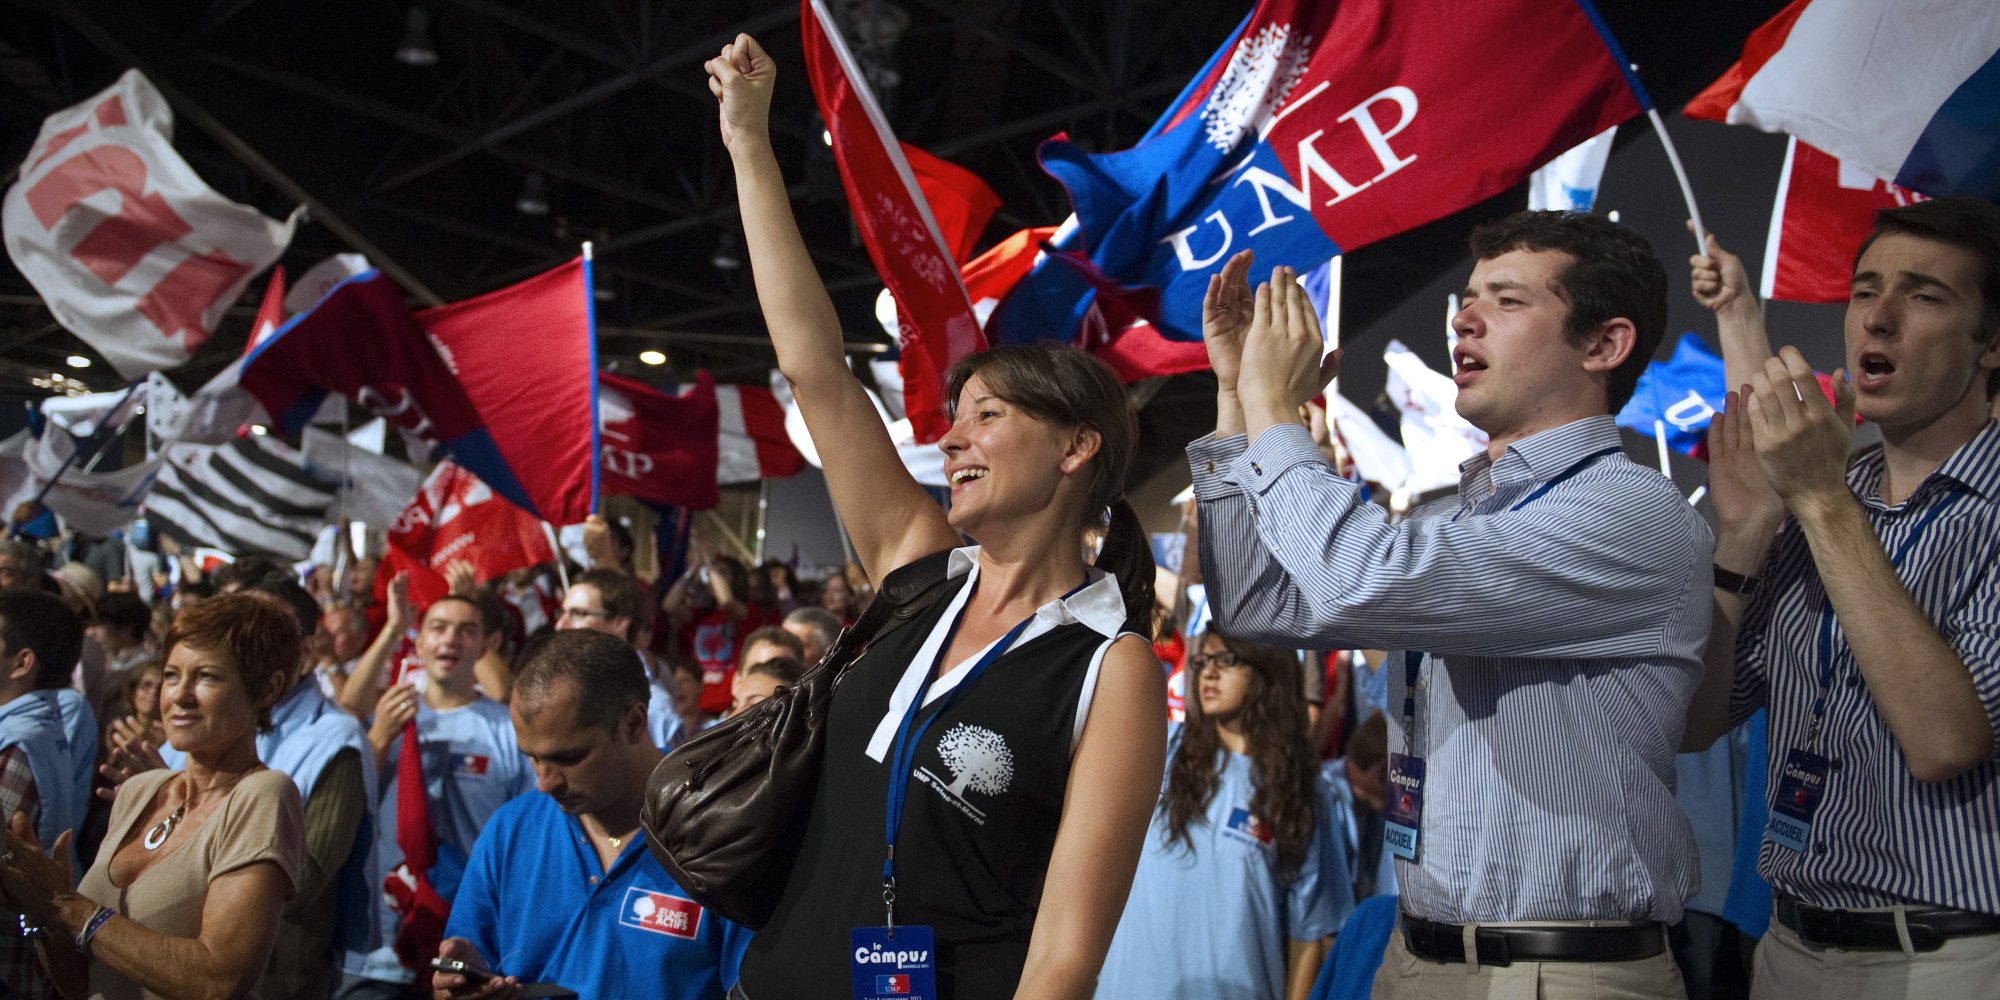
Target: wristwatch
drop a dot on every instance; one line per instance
(1736, 583)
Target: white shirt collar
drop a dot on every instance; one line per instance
(1100, 604)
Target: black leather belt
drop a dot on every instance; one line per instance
(1930, 926)
(1507, 945)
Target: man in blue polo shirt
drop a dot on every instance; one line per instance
(561, 888)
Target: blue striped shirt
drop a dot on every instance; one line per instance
(1880, 837)
(1562, 642)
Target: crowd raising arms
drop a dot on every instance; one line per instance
(1025, 502)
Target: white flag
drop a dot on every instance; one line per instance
(131, 250)
(94, 503)
(374, 488)
(1569, 182)
(1435, 436)
(1376, 458)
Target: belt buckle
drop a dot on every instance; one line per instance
(1503, 946)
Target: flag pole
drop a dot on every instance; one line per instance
(555, 546)
(1660, 439)
(1680, 177)
(1333, 286)
(590, 331)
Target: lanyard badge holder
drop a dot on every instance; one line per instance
(1802, 780)
(1403, 819)
(900, 962)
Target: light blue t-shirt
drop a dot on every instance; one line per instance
(1214, 922)
(472, 767)
(538, 904)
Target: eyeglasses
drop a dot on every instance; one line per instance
(1221, 661)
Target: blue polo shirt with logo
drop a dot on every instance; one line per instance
(539, 906)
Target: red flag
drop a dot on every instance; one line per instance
(527, 357)
(1823, 211)
(991, 275)
(959, 200)
(934, 316)
(270, 313)
(421, 910)
(751, 437)
(659, 448)
(456, 516)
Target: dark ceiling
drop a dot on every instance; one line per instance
(422, 166)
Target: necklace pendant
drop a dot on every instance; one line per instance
(162, 830)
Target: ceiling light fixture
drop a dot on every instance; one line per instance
(78, 361)
(416, 49)
(728, 254)
(534, 199)
(654, 358)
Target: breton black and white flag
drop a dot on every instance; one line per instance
(250, 496)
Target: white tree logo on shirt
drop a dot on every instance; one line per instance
(979, 761)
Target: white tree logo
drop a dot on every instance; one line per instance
(1261, 73)
(979, 761)
(979, 758)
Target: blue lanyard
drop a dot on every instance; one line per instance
(910, 735)
(1827, 660)
(1413, 660)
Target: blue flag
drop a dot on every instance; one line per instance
(1685, 392)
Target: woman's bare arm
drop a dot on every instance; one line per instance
(1114, 783)
(891, 520)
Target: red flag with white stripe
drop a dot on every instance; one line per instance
(751, 438)
(1823, 211)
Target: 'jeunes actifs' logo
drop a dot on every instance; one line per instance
(979, 761)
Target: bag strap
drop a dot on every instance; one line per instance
(904, 594)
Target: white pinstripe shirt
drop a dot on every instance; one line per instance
(1562, 644)
(1880, 837)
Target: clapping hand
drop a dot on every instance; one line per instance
(1802, 441)
(30, 881)
(1736, 485)
(1282, 365)
(124, 760)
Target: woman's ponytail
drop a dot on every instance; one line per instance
(1128, 555)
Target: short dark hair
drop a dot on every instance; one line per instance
(1612, 272)
(777, 637)
(605, 674)
(621, 594)
(785, 670)
(289, 595)
(43, 622)
(26, 554)
(1970, 224)
(125, 610)
(258, 635)
(246, 571)
(824, 623)
(462, 599)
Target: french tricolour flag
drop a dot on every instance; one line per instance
(1901, 89)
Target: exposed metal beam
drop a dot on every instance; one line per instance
(725, 339)
(1037, 56)
(590, 95)
(574, 41)
(192, 111)
(389, 114)
(549, 253)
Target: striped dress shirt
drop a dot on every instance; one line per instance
(1880, 837)
(1561, 603)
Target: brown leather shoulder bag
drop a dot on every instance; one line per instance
(726, 811)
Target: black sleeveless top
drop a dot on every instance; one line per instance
(978, 826)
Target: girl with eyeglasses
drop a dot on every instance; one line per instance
(1237, 891)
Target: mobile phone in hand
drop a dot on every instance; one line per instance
(459, 967)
